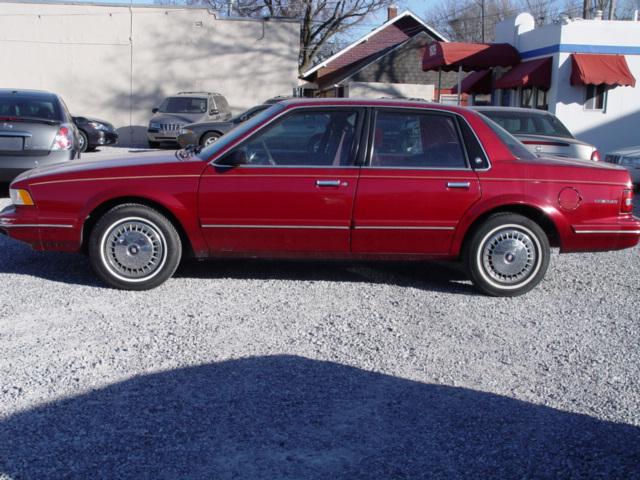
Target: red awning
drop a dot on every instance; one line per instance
(534, 73)
(449, 56)
(595, 69)
(475, 82)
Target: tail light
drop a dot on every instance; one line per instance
(63, 139)
(627, 201)
(595, 156)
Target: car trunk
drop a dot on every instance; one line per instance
(27, 137)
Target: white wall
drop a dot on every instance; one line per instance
(84, 53)
(609, 129)
(377, 90)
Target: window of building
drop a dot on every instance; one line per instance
(596, 97)
(419, 140)
(533, 97)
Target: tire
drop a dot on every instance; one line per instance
(154, 144)
(83, 142)
(134, 247)
(507, 255)
(209, 138)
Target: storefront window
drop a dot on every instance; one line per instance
(596, 97)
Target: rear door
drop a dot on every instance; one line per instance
(416, 186)
(294, 196)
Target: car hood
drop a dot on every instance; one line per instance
(130, 160)
(176, 118)
(627, 151)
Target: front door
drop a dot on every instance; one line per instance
(416, 186)
(294, 193)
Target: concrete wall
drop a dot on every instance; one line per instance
(116, 62)
(377, 90)
(615, 126)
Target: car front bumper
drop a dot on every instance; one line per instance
(13, 165)
(162, 135)
(100, 137)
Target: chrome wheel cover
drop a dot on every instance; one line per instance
(509, 256)
(210, 140)
(133, 249)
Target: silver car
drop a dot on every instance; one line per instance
(542, 132)
(182, 109)
(628, 158)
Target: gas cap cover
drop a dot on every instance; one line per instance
(569, 199)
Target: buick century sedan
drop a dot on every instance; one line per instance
(387, 179)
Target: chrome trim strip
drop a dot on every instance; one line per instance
(400, 227)
(315, 227)
(97, 179)
(629, 232)
(35, 225)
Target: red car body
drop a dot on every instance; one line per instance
(330, 211)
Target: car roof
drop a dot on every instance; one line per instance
(195, 94)
(27, 93)
(368, 102)
(533, 111)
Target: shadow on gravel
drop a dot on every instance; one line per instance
(291, 417)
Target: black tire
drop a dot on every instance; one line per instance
(134, 247)
(507, 255)
(209, 138)
(83, 142)
(154, 144)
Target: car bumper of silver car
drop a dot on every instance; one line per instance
(13, 165)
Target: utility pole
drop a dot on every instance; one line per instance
(482, 19)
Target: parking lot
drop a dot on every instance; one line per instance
(257, 369)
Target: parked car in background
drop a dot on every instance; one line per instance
(182, 109)
(35, 129)
(94, 133)
(542, 132)
(387, 180)
(206, 133)
(628, 158)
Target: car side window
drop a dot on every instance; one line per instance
(305, 138)
(418, 140)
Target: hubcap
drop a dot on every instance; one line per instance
(134, 249)
(210, 140)
(509, 256)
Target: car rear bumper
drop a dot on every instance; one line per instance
(12, 166)
(609, 234)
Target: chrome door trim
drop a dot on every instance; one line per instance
(400, 227)
(629, 232)
(315, 227)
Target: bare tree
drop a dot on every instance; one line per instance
(322, 21)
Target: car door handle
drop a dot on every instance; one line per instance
(327, 183)
(458, 184)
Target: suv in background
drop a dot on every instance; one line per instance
(35, 129)
(541, 131)
(182, 109)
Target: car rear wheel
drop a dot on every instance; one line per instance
(209, 138)
(134, 247)
(507, 255)
(83, 141)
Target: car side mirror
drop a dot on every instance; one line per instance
(155, 110)
(233, 159)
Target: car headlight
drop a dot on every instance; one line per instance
(154, 125)
(20, 196)
(99, 126)
(186, 131)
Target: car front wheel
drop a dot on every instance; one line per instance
(507, 255)
(134, 247)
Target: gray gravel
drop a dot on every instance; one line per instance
(318, 370)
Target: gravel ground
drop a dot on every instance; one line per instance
(318, 370)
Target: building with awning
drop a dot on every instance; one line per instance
(583, 71)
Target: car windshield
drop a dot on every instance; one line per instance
(239, 131)
(15, 106)
(184, 105)
(514, 145)
(525, 123)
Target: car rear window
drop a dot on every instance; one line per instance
(512, 143)
(17, 106)
(523, 123)
(184, 105)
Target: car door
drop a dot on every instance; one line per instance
(293, 193)
(416, 185)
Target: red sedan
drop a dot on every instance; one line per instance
(331, 178)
